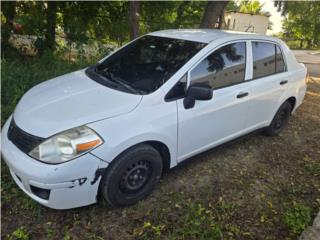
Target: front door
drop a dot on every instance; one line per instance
(222, 118)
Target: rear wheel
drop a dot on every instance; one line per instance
(280, 120)
(131, 176)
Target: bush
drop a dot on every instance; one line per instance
(19, 234)
(297, 218)
(20, 73)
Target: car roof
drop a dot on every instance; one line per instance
(205, 35)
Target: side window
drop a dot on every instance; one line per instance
(264, 63)
(178, 91)
(280, 66)
(223, 67)
(267, 59)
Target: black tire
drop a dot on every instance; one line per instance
(131, 176)
(280, 120)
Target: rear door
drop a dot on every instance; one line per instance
(269, 82)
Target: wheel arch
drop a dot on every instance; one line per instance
(163, 150)
(161, 147)
(292, 101)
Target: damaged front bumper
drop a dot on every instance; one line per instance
(60, 186)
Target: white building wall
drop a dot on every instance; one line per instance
(244, 22)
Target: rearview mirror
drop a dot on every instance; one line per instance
(197, 92)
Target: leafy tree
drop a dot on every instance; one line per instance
(32, 16)
(156, 15)
(252, 7)
(105, 21)
(281, 6)
(302, 21)
(180, 12)
(232, 6)
(113, 22)
(76, 19)
(8, 10)
(191, 16)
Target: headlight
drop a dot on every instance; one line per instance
(66, 145)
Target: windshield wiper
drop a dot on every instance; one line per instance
(109, 76)
(123, 83)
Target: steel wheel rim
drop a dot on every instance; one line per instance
(135, 176)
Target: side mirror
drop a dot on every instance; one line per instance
(197, 92)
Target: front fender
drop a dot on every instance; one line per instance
(125, 131)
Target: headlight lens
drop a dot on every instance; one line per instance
(66, 145)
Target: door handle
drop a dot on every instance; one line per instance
(283, 82)
(242, 94)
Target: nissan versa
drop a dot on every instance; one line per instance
(111, 129)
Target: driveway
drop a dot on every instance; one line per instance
(312, 60)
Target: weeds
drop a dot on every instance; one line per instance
(195, 221)
(297, 217)
(20, 233)
(19, 74)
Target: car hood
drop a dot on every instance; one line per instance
(69, 101)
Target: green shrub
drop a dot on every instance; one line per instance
(20, 233)
(297, 217)
(20, 73)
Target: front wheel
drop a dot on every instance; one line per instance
(280, 120)
(132, 176)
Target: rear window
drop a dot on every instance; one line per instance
(147, 63)
(267, 59)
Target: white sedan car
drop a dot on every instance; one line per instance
(111, 129)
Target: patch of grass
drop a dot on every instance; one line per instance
(20, 233)
(313, 168)
(66, 236)
(50, 233)
(297, 217)
(191, 220)
(10, 193)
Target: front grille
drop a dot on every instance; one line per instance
(24, 141)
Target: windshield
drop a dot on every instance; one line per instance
(145, 64)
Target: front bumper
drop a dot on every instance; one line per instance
(61, 186)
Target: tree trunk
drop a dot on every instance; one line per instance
(221, 20)
(309, 43)
(134, 19)
(301, 43)
(212, 12)
(51, 24)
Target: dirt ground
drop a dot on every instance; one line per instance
(243, 190)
